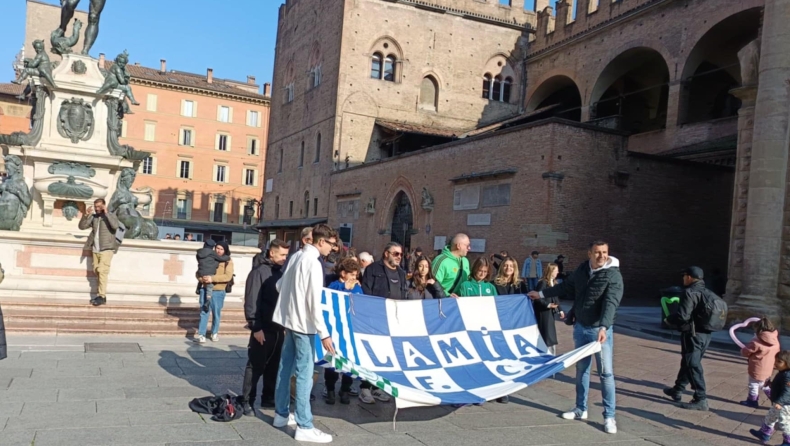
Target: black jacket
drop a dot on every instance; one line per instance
(3, 345)
(780, 392)
(545, 315)
(432, 291)
(596, 294)
(260, 296)
(504, 290)
(376, 283)
(690, 312)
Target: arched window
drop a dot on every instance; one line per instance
(429, 93)
(301, 156)
(317, 148)
(277, 207)
(506, 89)
(496, 91)
(375, 66)
(306, 204)
(389, 68)
(487, 86)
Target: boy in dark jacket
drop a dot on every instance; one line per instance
(780, 402)
(208, 262)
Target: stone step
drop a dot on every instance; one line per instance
(147, 330)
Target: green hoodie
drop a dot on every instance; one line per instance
(446, 268)
(474, 288)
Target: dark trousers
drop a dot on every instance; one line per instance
(330, 379)
(262, 361)
(692, 348)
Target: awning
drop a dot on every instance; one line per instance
(205, 225)
(298, 223)
(402, 127)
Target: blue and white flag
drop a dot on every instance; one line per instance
(440, 351)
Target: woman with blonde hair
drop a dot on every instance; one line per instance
(547, 307)
(507, 280)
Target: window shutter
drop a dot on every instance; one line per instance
(254, 177)
(259, 118)
(175, 206)
(230, 114)
(249, 118)
(189, 209)
(194, 109)
(180, 137)
(214, 174)
(153, 165)
(219, 113)
(151, 102)
(227, 174)
(193, 141)
(216, 141)
(191, 169)
(183, 106)
(225, 206)
(228, 143)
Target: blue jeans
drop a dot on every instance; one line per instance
(215, 307)
(297, 357)
(533, 283)
(582, 336)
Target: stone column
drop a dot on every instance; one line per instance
(763, 237)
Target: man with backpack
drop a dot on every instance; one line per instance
(701, 312)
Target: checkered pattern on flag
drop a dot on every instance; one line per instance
(440, 351)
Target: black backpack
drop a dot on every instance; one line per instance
(713, 314)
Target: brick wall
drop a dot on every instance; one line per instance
(14, 115)
(565, 193)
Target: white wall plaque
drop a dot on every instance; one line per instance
(477, 245)
(439, 242)
(478, 220)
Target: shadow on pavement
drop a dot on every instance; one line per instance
(680, 424)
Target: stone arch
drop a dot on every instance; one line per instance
(315, 55)
(429, 93)
(633, 89)
(499, 79)
(401, 184)
(386, 52)
(712, 68)
(559, 90)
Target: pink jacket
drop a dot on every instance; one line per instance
(761, 352)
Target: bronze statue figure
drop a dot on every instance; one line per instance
(62, 44)
(94, 14)
(37, 66)
(15, 197)
(124, 205)
(118, 76)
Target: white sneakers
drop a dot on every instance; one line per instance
(282, 421)
(214, 338)
(369, 396)
(380, 395)
(365, 396)
(609, 424)
(200, 339)
(302, 434)
(575, 414)
(312, 435)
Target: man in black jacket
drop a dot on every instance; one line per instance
(693, 340)
(597, 288)
(266, 337)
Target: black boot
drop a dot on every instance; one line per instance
(247, 409)
(673, 393)
(503, 400)
(330, 397)
(344, 398)
(695, 404)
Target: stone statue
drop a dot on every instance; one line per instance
(749, 57)
(94, 14)
(427, 199)
(118, 77)
(37, 66)
(70, 210)
(61, 44)
(15, 196)
(124, 205)
(114, 127)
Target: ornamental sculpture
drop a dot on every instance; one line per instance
(39, 66)
(427, 199)
(124, 205)
(94, 14)
(62, 44)
(70, 210)
(36, 122)
(70, 189)
(15, 197)
(118, 76)
(75, 120)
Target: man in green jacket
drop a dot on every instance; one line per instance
(597, 288)
(451, 267)
(102, 243)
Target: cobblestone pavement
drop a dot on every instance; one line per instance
(54, 393)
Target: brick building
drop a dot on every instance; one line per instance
(14, 113)
(207, 137)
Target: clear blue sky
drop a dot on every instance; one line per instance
(234, 37)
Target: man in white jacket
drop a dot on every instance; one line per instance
(299, 311)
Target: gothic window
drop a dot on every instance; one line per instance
(487, 86)
(375, 66)
(306, 204)
(506, 85)
(429, 93)
(317, 148)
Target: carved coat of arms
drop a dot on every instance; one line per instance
(75, 120)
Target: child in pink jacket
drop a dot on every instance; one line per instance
(761, 352)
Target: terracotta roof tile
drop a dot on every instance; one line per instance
(415, 128)
(11, 89)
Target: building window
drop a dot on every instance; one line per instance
(301, 156)
(219, 211)
(317, 148)
(429, 93)
(497, 89)
(150, 131)
(184, 169)
(224, 114)
(315, 207)
(252, 118)
(276, 208)
(196, 236)
(222, 142)
(186, 137)
(188, 109)
(248, 213)
(148, 166)
(150, 103)
(181, 208)
(389, 68)
(315, 76)
(280, 169)
(487, 86)
(249, 177)
(306, 204)
(506, 85)
(290, 209)
(289, 93)
(220, 177)
(252, 146)
(375, 66)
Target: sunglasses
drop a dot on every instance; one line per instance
(396, 254)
